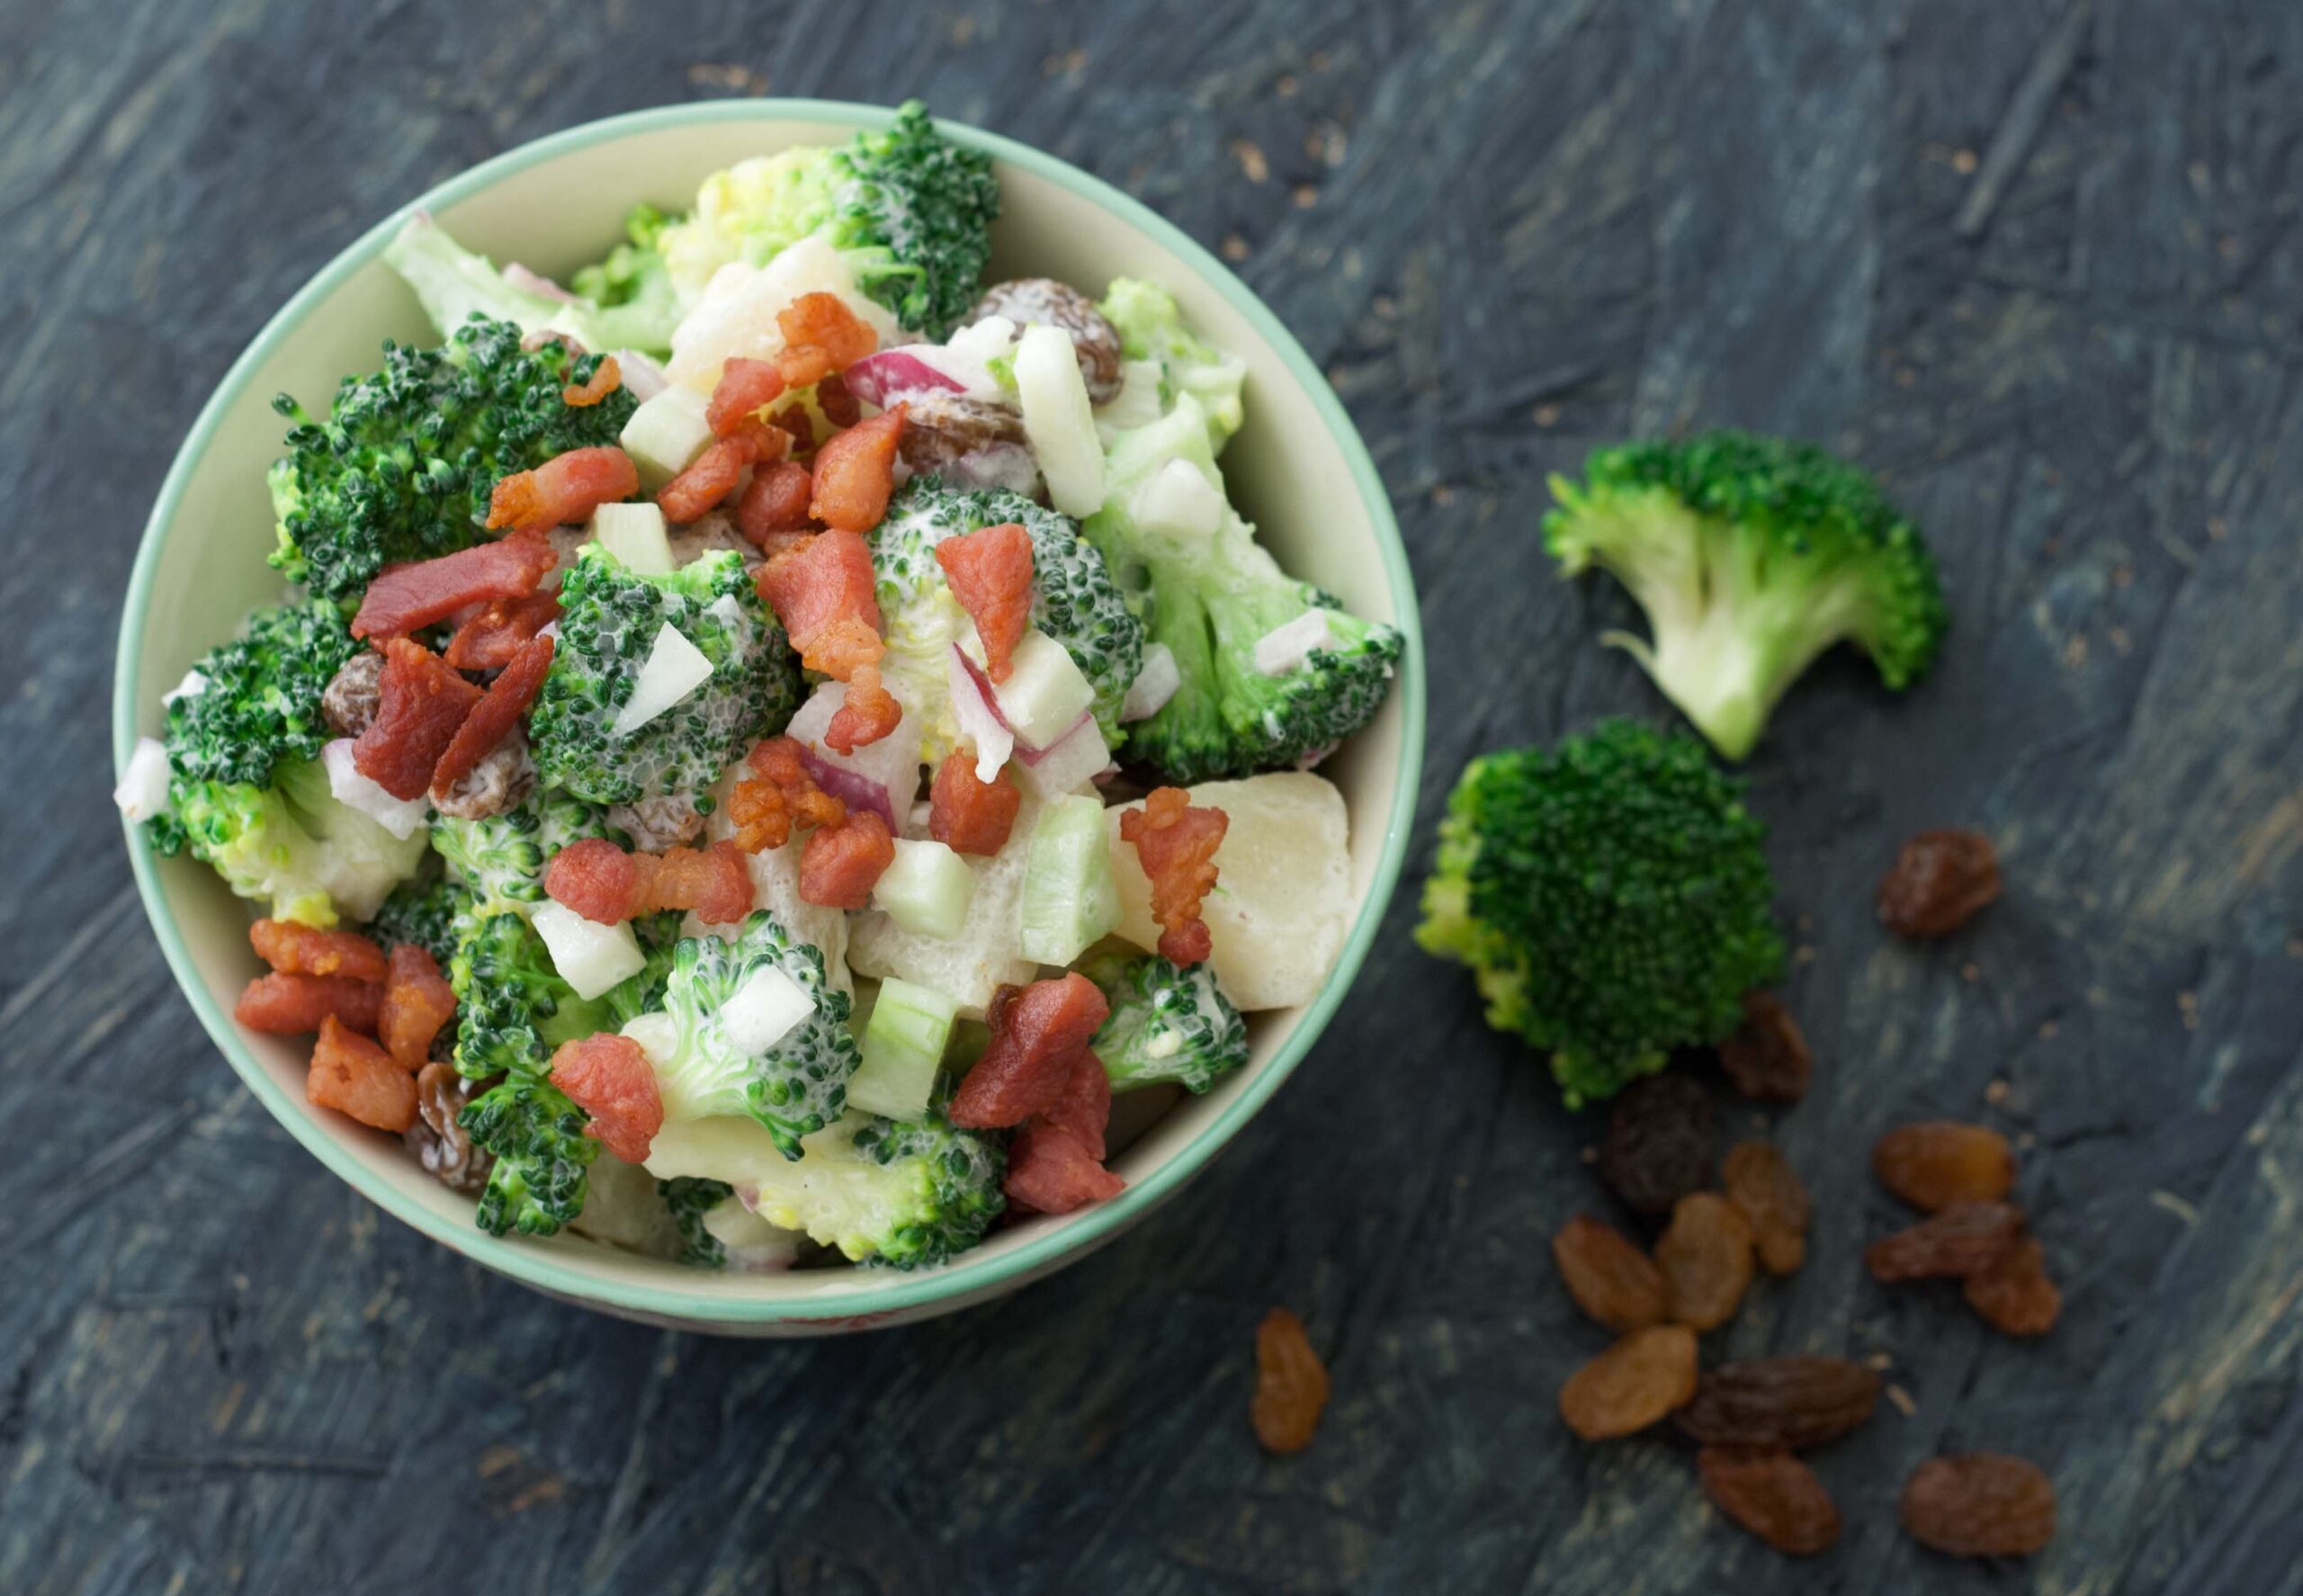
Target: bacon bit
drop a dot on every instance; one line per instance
(840, 408)
(740, 400)
(855, 472)
(775, 505)
(969, 816)
(300, 950)
(404, 598)
(822, 591)
(780, 797)
(609, 1078)
(696, 491)
(841, 863)
(1084, 1106)
(605, 884)
(868, 713)
(822, 336)
(595, 878)
(489, 636)
(1038, 1033)
(420, 704)
(495, 717)
(1176, 843)
(991, 574)
(417, 1001)
(356, 1078)
(1051, 1170)
(294, 1005)
(605, 379)
(563, 490)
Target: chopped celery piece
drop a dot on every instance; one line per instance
(926, 891)
(904, 1048)
(1070, 899)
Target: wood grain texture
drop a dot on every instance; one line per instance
(2040, 267)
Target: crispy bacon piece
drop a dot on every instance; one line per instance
(822, 336)
(696, 491)
(488, 636)
(1051, 1170)
(595, 878)
(969, 816)
(740, 401)
(855, 472)
(417, 1001)
(301, 950)
(868, 713)
(495, 717)
(991, 574)
(1084, 1106)
(609, 1078)
(822, 591)
(294, 1005)
(419, 705)
(564, 490)
(840, 408)
(1038, 1034)
(355, 1076)
(841, 863)
(1176, 843)
(778, 797)
(604, 884)
(775, 505)
(405, 598)
(605, 379)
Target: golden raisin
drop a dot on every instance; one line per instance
(1291, 1385)
(1761, 1182)
(1705, 1257)
(2013, 1293)
(1631, 1385)
(1611, 1280)
(1980, 1504)
(1773, 1494)
(1936, 1163)
(1767, 1056)
(1937, 882)
(1963, 1239)
(1780, 1401)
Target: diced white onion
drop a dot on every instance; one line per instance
(1284, 649)
(978, 722)
(675, 669)
(1045, 693)
(768, 1007)
(590, 957)
(402, 817)
(635, 534)
(143, 790)
(1154, 685)
(1069, 765)
(658, 1035)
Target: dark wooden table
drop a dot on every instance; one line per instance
(2037, 262)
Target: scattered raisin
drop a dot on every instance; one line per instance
(1780, 1401)
(2013, 1293)
(1773, 1494)
(940, 429)
(439, 1142)
(1631, 1385)
(1963, 1239)
(1760, 1181)
(1980, 1504)
(1291, 1385)
(1768, 1056)
(1705, 1257)
(1611, 1280)
(1939, 880)
(1941, 1161)
(1659, 1142)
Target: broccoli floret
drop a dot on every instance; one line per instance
(432, 915)
(261, 701)
(1211, 597)
(542, 1155)
(512, 1008)
(609, 620)
(1611, 897)
(1151, 327)
(292, 846)
(627, 301)
(1751, 556)
(690, 1197)
(404, 464)
(500, 858)
(1074, 600)
(1167, 1023)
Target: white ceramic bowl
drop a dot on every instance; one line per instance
(1297, 467)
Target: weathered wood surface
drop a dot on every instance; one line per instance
(2039, 264)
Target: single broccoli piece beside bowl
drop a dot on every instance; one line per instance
(434, 915)
(1611, 897)
(403, 466)
(1751, 556)
(543, 1156)
(613, 643)
(626, 301)
(1167, 1023)
(499, 859)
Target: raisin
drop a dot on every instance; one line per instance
(1980, 1504)
(1094, 341)
(1632, 1385)
(1780, 1401)
(438, 1138)
(1768, 1057)
(941, 429)
(1938, 882)
(1705, 1257)
(1760, 1181)
(1963, 1239)
(1610, 1279)
(2013, 1293)
(1291, 1385)
(1659, 1142)
(1773, 1494)
(348, 703)
(1941, 1161)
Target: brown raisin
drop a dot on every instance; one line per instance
(1768, 1056)
(437, 1137)
(1611, 1280)
(1659, 1142)
(1980, 1504)
(1773, 1494)
(1705, 1257)
(1939, 880)
(2013, 1293)
(1094, 343)
(1936, 1163)
(1631, 1385)
(1964, 1238)
(1760, 1181)
(1291, 1385)
(1780, 1401)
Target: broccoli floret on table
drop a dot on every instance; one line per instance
(1751, 556)
(1167, 1023)
(1611, 897)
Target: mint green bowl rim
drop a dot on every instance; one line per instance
(898, 1293)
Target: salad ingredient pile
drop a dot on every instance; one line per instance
(775, 734)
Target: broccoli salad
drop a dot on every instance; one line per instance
(766, 736)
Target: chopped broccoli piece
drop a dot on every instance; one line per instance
(1151, 327)
(500, 857)
(542, 1155)
(1751, 556)
(627, 301)
(690, 1197)
(404, 464)
(261, 701)
(512, 1008)
(432, 915)
(1611, 897)
(291, 845)
(1167, 1023)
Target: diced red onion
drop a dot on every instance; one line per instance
(884, 378)
(856, 792)
(519, 276)
(1031, 755)
(978, 714)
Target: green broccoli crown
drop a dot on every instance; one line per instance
(690, 1197)
(508, 998)
(432, 915)
(541, 1156)
(261, 703)
(625, 302)
(1751, 556)
(1611, 897)
(610, 617)
(951, 1180)
(292, 844)
(1167, 1023)
(1151, 327)
(500, 858)
(404, 464)
(914, 211)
